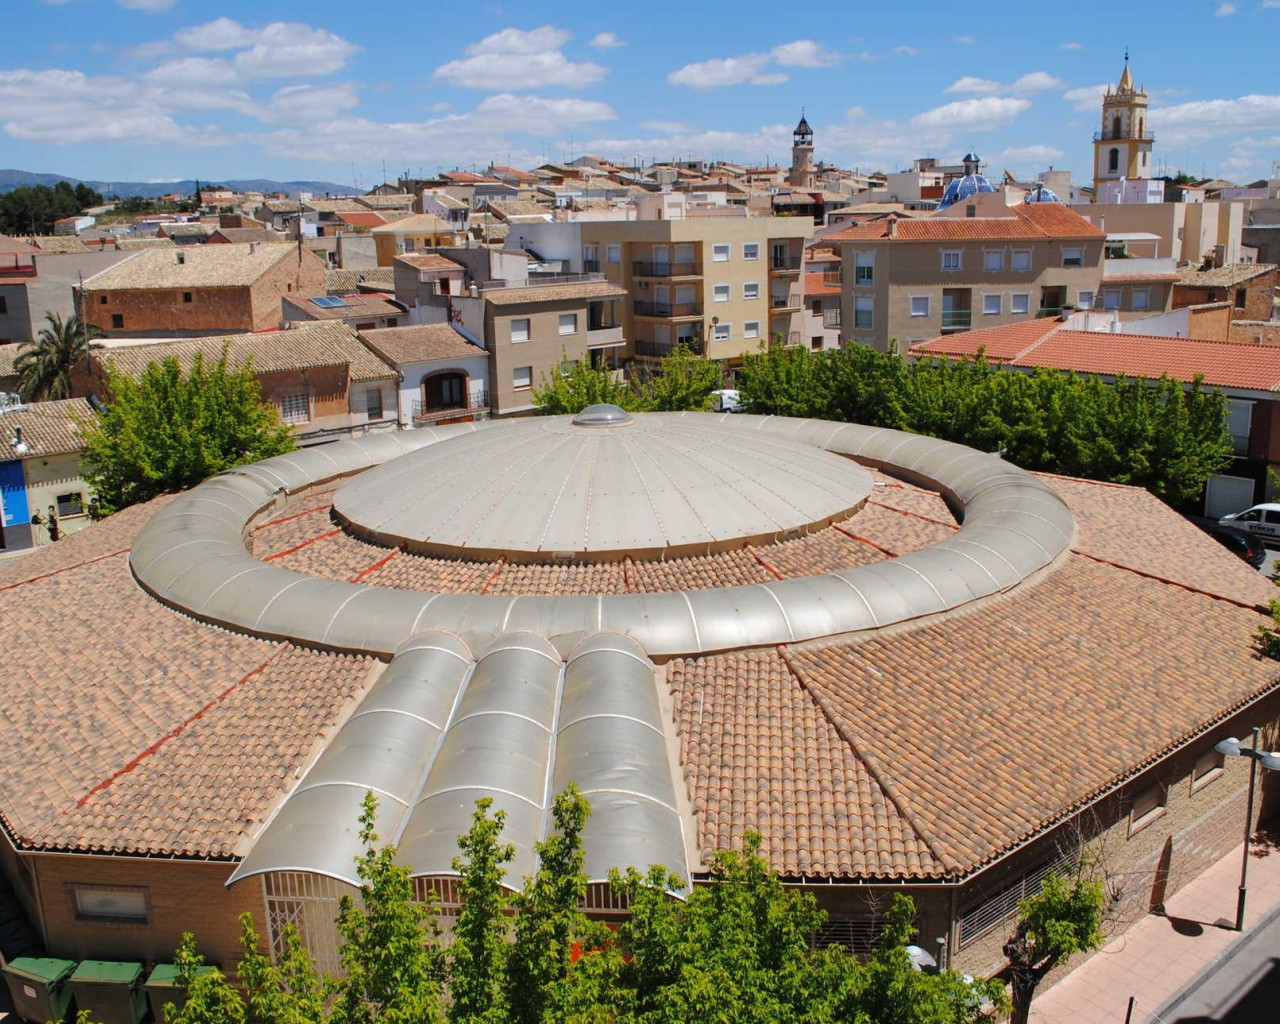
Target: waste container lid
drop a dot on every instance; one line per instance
(166, 975)
(114, 971)
(41, 968)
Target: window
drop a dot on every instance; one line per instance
(4, 305)
(993, 259)
(70, 504)
(1020, 303)
(1073, 257)
(720, 252)
(373, 403)
(751, 329)
(186, 296)
(720, 293)
(1208, 767)
(751, 290)
(721, 332)
(410, 245)
(862, 312)
(117, 321)
(919, 305)
(102, 300)
(951, 259)
(1148, 806)
(994, 909)
(1084, 298)
(613, 253)
(568, 323)
(815, 343)
(992, 304)
(1111, 300)
(1113, 160)
(393, 321)
(684, 294)
(750, 250)
(566, 367)
(520, 329)
(1021, 259)
(1242, 296)
(118, 904)
(864, 268)
(295, 409)
(1142, 298)
(522, 377)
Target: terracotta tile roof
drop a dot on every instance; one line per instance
(137, 244)
(362, 219)
(466, 177)
(1222, 363)
(815, 285)
(187, 230)
(357, 304)
(333, 205)
(554, 292)
(391, 202)
(431, 261)
(1037, 220)
(1137, 278)
(202, 266)
(48, 428)
(419, 344)
(343, 282)
(304, 346)
(8, 353)
(17, 245)
(513, 172)
(511, 209)
(418, 224)
(1223, 277)
(249, 235)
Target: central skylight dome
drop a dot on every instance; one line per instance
(598, 487)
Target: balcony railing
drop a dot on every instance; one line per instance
(591, 266)
(787, 262)
(832, 317)
(659, 349)
(1123, 136)
(957, 319)
(832, 277)
(791, 301)
(477, 402)
(1048, 311)
(668, 310)
(1240, 446)
(644, 268)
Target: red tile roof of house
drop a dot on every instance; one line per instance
(1036, 220)
(1048, 344)
(814, 284)
(362, 219)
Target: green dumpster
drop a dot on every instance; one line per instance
(163, 987)
(39, 987)
(111, 991)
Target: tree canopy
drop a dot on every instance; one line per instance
(1163, 435)
(32, 209)
(683, 381)
(172, 428)
(45, 366)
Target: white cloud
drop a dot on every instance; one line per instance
(607, 41)
(804, 53)
(514, 59)
(147, 5)
(1071, 46)
(219, 34)
(906, 51)
(965, 40)
(1224, 10)
(1204, 119)
(1088, 97)
(974, 114)
(855, 112)
(1021, 155)
(1033, 82)
(719, 71)
(193, 71)
(770, 78)
(277, 50)
(309, 103)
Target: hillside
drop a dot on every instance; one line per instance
(11, 179)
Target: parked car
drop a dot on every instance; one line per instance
(727, 400)
(1260, 519)
(1246, 545)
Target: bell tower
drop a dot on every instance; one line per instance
(1122, 145)
(803, 174)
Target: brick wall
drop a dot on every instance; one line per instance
(1264, 332)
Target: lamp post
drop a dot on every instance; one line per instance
(1232, 747)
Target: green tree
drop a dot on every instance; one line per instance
(209, 997)
(578, 385)
(171, 429)
(682, 382)
(45, 366)
(287, 990)
(87, 197)
(1063, 919)
(32, 209)
(478, 956)
(390, 955)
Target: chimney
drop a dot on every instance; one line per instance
(182, 257)
(1115, 321)
(892, 230)
(252, 247)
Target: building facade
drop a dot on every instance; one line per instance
(1122, 144)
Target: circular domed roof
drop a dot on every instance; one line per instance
(600, 486)
(962, 188)
(1041, 194)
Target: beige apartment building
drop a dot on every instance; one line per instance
(981, 263)
(721, 282)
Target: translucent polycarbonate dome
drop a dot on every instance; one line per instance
(1040, 194)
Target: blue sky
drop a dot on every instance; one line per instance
(156, 89)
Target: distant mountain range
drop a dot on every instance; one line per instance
(10, 179)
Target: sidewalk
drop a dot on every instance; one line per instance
(1158, 956)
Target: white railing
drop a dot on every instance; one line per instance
(1140, 265)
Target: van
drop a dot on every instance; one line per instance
(1263, 520)
(726, 400)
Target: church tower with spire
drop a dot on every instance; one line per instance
(1122, 145)
(803, 174)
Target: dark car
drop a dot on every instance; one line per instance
(1246, 545)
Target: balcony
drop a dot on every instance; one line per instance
(957, 319)
(659, 349)
(1044, 312)
(642, 268)
(1123, 136)
(833, 277)
(1240, 446)
(786, 264)
(473, 404)
(591, 266)
(604, 334)
(1139, 266)
(832, 317)
(781, 302)
(667, 310)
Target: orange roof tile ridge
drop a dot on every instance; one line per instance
(306, 543)
(368, 570)
(858, 537)
(890, 791)
(751, 550)
(1039, 341)
(502, 564)
(175, 733)
(1172, 583)
(65, 568)
(908, 512)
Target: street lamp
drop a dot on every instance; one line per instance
(1232, 747)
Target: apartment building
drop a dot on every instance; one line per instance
(717, 280)
(413, 234)
(980, 263)
(191, 291)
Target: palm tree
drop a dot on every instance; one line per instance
(44, 366)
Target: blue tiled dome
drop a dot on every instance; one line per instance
(970, 184)
(1040, 194)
